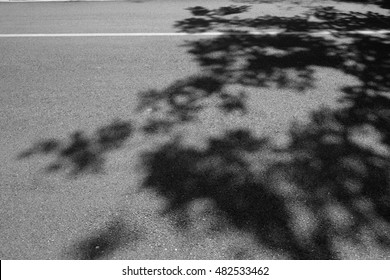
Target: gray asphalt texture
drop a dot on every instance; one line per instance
(51, 87)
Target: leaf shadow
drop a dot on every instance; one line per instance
(104, 242)
(333, 181)
(82, 154)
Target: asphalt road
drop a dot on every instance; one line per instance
(80, 17)
(101, 17)
(129, 16)
(51, 87)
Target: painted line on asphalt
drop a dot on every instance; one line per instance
(173, 34)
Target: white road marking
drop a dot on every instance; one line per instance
(174, 34)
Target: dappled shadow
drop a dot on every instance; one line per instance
(287, 60)
(382, 3)
(328, 189)
(115, 235)
(344, 168)
(220, 173)
(367, 59)
(82, 153)
(315, 19)
(385, 4)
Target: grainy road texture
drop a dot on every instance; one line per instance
(83, 174)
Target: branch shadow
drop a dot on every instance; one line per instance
(385, 4)
(330, 183)
(328, 187)
(318, 18)
(82, 154)
(221, 174)
(104, 242)
(381, 3)
(332, 186)
(346, 169)
(287, 60)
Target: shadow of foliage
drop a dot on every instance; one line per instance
(286, 60)
(182, 100)
(316, 19)
(104, 242)
(221, 173)
(329, 187)
(336, 163)
(82, 153)
(385, 4)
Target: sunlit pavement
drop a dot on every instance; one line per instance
(51, 87)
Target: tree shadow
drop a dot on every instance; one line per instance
(318, 18)
(220, 173)
(344, 168)
(113, 236)
(287, 60)
(332, 186)
(385, 4)
(327, 187)
(82, 154)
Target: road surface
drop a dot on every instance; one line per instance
(51, 87)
